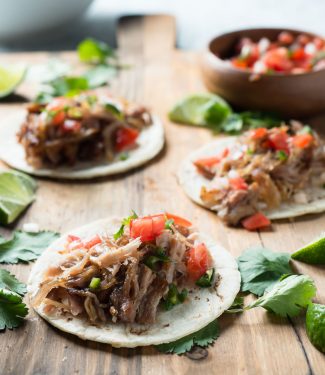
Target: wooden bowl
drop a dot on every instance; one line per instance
(292, 95)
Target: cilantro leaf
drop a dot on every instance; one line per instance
(12, 309)
(24, 246)
(169, 223)
(203, 338)
(288, 296)
(94, 51)
(261, 268)
(125, 221)
(9, 281)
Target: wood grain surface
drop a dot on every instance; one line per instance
(251, 343)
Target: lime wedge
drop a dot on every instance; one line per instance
(10, 77)
(313, 253)
(202, 110)
(17, 191)
(315, 325)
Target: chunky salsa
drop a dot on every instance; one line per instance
(288, 54)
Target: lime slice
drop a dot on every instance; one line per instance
(17, 191)
(313, 253)
(201, 109)
(10, 77)
(315, 325)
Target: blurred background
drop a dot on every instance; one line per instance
(61, 24)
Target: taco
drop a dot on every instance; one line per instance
(263, 174)
(84, 136)
(133, 282)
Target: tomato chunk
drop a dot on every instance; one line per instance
(58, 117)
(256, 221)
(158, 224)
(207, 162)
(302, 140)
(72, 238)
(125, 138)
(278, 60)
(279, 141)
(258, 133)
(179, 220)
(57, 104)
(238, 183)
(92, 242)
(198, 261)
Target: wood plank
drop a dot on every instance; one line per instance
(251, 343)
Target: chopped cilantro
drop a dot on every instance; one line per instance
(125, 221)
(169, 223)
(154, 261)
(203, 338)
(261, 268)
(281, 155)
(124, 156)
(205, 281)
(24, 246)
(288, 296)
(174, 297)
(94, 283)
(94, 51)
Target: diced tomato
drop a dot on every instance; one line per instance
(279, 141)
(303, 39)
(239, 63)
(71, 125)
(302, 140)
(319, 43)
(125, 138)
(278, 60)
(207, 162)
(258, 133)
(298, 54)
(212, 160)
(179, 220)
(143, 228)
(72, 238)
(92, 242)
(238, 183)
(58, 118)
(256, 221)
(198, 261)
(158, 224)
(285, 37)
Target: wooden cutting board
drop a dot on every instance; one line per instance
(254, 342)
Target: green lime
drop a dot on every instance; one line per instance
(201, 109)
(313, 253)
(17, 191)
(315, 325)
(10, 77)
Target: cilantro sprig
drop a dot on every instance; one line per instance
(12, 308)
(24, 246)
(125, 222)
(261, 268)
(287, 297)
(203, 338)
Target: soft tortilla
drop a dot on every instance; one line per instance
(150, 143)
(202, 307)
(192, 181)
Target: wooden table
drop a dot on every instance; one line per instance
(254, 342)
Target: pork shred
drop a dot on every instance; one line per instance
(270, 173)
(81, 128)
(129, 291)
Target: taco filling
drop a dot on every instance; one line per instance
(263, 169)
(86, 127)
(151, 264)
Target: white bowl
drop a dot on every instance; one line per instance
(23, 18)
